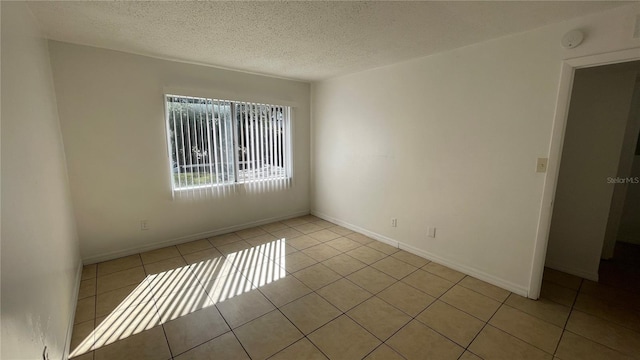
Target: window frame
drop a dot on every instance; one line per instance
(288, 144)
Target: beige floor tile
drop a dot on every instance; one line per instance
(287, 234)
(324, 235)
(366, 254)
(557, 293)
(544, 309)
(211, 269)
(87, 288)
(343, 338)
(245, 307)
(120, 279)
(394, 267)
(323, 223)
(124, 323)
(122, 298)
(296, 262)
(267, 335)
(87, 356)
(303, 242)
(234, 247)
(604, 332)
(182, 303)
(225, 287)
(485, 288)
(406, 298)
(383, 352)
(343, 244)
(223, 347)
(428, 283)
(614, 296)
(297, 221)
(82, 338)
(301, 349)
(471, 302)
(362, 239)
(278, 249)
(626, 317)
(417, 341)
(371, 279)
(317, 276)
(123, 263)
(379, 318)
(492, 343)
(410, 258)
(532, 330)
(383, 248)
(194, 329)
(342, 231)
(164, 265)
(344, 294)
(451, 322)
(469, 356)
(562, 279)
(344, 264)
(444, 272)
(576, 347)
(261, 239)
(85, 310)
(159, 254)
(150, 344)
(308, 228)
(170, 281)
(193, 246)
(249, 233)
(321, 252)
(310, 312)
(224, 239)
(89, 271)
(284, 290)
(274, 226)
(202, 255)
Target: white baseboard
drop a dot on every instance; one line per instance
(183, 239)
(504, 284)
(569, 270)
(76, 291)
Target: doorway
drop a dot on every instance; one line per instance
(552, 180)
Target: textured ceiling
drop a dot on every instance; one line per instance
(301, 40)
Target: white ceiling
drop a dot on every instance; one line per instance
(302, 40)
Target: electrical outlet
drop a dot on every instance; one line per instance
(636, 30)
(394, 222)
(431, 232)
(144, 225)
(541, 165)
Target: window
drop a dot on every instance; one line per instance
(221, 142)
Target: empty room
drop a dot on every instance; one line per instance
(320, 180)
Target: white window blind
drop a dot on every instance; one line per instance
(213, 143)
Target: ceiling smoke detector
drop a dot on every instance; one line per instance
(572, 39)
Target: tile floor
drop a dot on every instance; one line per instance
(308, 289)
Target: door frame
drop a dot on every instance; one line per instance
(565, 88)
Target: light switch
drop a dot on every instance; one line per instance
(541, 165)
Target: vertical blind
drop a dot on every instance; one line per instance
(212, 142)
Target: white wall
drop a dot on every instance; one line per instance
(112, 114)
(451, 141)
(40, 256)
(596, 125)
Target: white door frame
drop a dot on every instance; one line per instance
(567, 72)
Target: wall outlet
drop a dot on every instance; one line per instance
(431, 232)
(541, 165)
(394, 222)
(144, 225)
